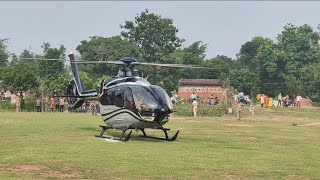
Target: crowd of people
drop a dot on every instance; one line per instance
(212, 101)
(4, 97)
(54, 104)
(58, 104)
(281, 101)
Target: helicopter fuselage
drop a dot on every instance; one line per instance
(127, 101)
(132, 102)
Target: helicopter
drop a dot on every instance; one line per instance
(127, 101)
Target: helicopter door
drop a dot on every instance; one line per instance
(118, 98)
(128, 99)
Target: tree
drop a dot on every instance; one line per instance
(156, 36)
(3, 53)
(280, 64)
(226, 59)
(193, 54)
(53, 75)
(18, 78)
(244, 81)
(249, 51)
(168, 78)
(105, 49)
(51, 69)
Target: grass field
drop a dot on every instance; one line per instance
(272, 144)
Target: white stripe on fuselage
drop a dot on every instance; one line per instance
(112, 111)
(140, 81)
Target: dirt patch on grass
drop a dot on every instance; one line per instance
(231, 177)
(184, 119)
(187, 119)
(26, 168)
(43, 171)
(57, 174)
(239, 125)
(311, 124)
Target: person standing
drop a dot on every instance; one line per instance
(38, 104)
(266, 100)
(216, 101)
(193, 96)
(298, 99)
(61, 104)
(211, 101)
(262, 100)
(279, 100)
(194, 108)
(52, 104)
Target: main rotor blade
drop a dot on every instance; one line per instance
(177, 66)
(76, 61)
(121, 63)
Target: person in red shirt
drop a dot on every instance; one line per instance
(266, 100)
(52, 104)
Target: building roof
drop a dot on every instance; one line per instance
(199, 82)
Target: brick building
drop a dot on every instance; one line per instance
(203, 88)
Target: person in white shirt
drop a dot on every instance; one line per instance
(298, 99)
(193, 96)
(194, 108)
(279, 100)
(262, 100)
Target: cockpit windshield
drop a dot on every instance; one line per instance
(163, 95)
(144, 99)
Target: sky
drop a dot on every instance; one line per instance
(223, 25)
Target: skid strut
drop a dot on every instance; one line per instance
(122, 137)
(165, 133)
(126, 138)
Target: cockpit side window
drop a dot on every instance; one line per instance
(128, 101)
(118, 99)
(107, 98)
(101, 87)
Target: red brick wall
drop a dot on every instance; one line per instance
(203, 92)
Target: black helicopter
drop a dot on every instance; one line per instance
(127, 101)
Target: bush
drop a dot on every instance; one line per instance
(185, 109)
(25, 107)
(7, 106)
(28, 107)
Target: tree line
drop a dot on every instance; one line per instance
(289, 65)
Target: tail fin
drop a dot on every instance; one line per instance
(76, 93)
(75, 72)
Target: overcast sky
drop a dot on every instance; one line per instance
(224, 26)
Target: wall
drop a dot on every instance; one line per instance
(204, 92)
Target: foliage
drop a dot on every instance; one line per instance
(249, 51)
(168, 78)
(7, 106)
(85, 79)
(51, 69)
(3, 53)
(193, 54)
(244, 80)
(19, 77)
(204, 110)
(288, 65)
(53, 75)
(105, 49)
(156, 36)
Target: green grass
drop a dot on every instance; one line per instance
(262, 146)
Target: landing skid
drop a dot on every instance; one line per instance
(122, 137)
(165, 133)
(126, 138)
